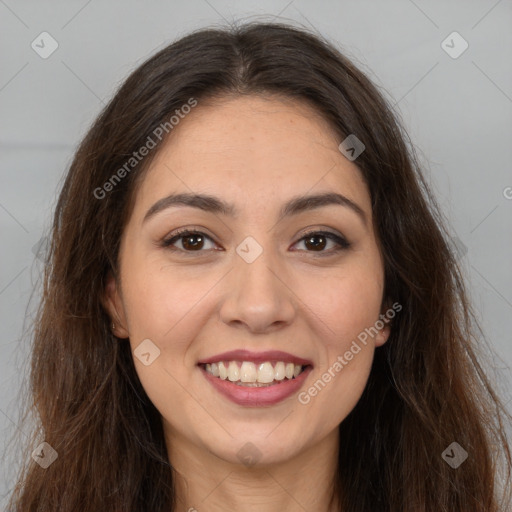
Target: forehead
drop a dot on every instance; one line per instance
(252, 150)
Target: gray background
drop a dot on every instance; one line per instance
(457, 111)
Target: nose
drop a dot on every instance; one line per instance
(258, 297)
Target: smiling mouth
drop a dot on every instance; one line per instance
(249, 374)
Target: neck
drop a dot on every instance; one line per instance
(203, 481)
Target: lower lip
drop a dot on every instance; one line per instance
(257, 397)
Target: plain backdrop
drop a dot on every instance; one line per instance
(456, 108)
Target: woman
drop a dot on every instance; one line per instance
(250, 302)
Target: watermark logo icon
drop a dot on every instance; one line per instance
(146, 352)
(454, 455)
(351, 147)
(44, 455)
(44, 45)
(454, 45)
(249, 250)
(249, 454)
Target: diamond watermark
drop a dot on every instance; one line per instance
(249, 454)
(454, 455)
(351, 147)
(44, 45)
(44, 455)
(454, 45)
(146, 352)
(249, 250)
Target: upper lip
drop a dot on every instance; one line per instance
(256, 357)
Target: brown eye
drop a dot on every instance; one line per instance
(191, 241)
(317, 241)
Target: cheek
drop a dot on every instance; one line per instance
(165, 306)
(168, 307)
(346, 309)
(350, 308)
(337, 387)
(346, 304)
(159, 301)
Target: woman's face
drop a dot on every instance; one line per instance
(257, 276)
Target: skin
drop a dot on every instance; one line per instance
(255, 152)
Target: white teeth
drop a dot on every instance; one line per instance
(265, 373)
(233, 371)
(250, 373)
(223, 372)
(279, 371)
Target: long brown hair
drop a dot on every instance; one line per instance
(426, 389)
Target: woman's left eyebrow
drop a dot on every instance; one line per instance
(294, 206)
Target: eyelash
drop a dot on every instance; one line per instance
(343, 244)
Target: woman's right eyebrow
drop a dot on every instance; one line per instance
(294, 206)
